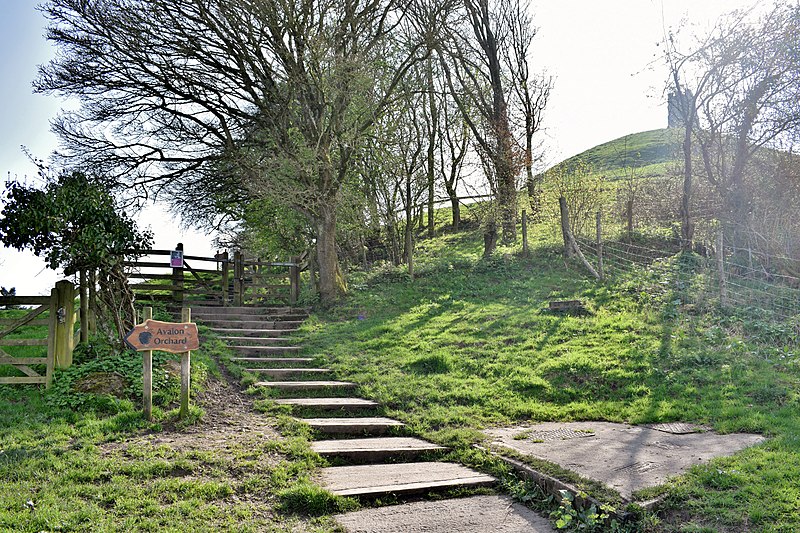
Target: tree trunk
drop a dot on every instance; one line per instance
(687, 226)
(327, 256)
(395, 246)
(409, 243)
(489, 238)
(629, 218)
(456, 208)
(431, 155)
(507, 193)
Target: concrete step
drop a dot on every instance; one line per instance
(276, 360)
(282, 372)
(476, 514)
(256, 341)
(253, 324)
(252, 332)
(266, 350)
(346, 404)
(376, 425)
(374, 449)
(306, 385)
(372, 481)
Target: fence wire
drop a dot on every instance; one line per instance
(751, 281)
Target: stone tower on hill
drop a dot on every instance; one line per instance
(677, 107)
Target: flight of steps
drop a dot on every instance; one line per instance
(374, 457)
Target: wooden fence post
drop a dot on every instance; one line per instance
(565, 231)
(177, 280)
(92, 301)
(723, 289)
(51, 337)
(84, 292)
(225, 278)
(64, 318)
(524, 233)
(186, 369)
(238, 279)
(294, 280)
(147, 373)
(600, 269)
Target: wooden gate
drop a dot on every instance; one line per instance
(55, 349)
(221, 280)
(257, 282)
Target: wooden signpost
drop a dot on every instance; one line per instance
(169, 337)
(164, 336)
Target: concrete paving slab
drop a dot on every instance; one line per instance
(374, 449)
(401, 478)
(477, 514)
(625, 458)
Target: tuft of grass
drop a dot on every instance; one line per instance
(311, 499)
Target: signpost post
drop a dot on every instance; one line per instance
(169, 337)
(186, 362)
(147, 369)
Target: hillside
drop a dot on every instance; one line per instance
(634, 150)
(470, 344)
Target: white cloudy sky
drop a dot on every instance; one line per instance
(601, 53)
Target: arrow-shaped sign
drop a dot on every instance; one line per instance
(164, 336)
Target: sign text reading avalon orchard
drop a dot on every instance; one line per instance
(164, 336)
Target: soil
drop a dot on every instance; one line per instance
(229, 421)
(231, 443)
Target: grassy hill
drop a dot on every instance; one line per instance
(647, 154)
(635, 150)
(470, 344)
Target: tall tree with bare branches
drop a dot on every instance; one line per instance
(179, 97)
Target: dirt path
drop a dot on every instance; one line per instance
(232, 444)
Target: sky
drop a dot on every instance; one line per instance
(602, 54)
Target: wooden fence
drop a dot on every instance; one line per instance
(223, 280)
(59, 313)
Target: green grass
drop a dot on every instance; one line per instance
(637, 150)
(67, 461)
(470, 344)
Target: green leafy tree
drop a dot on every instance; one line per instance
(73, 224)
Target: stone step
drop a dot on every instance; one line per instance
(265, 350)
(378, 480)
(281, 360)
(281, 372)
(475, 514)
(306, 385)
(253, 324)
(252, 332)
(346, 404)
(374, 449)
(256, 341)
(375, 425)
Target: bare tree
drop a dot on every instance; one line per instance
(745, 98)
(474, 58)
(454, 136)
(530, 94)
(276, 96)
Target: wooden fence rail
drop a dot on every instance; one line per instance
(58, 313)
